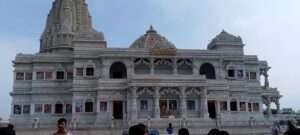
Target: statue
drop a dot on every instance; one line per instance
(36, 122)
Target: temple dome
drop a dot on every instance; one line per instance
(226, 42)
(225, 38)
(151, 39)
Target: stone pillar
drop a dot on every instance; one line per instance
(269, 112)
(183, 102)
(228, 105)
(110, 109)
(152, 66)
(238, 105)
(31, 109)
(156, 103)
(195, 68)
(278, 107)
(134, 103)
(105, 69)
(204, 107)
(97, 106)
(73, 106)
(218, 109)
(247, 109)
(175, 66)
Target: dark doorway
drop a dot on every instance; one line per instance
(118, 110)
(118, 71)
(212, 109)
(208, 70)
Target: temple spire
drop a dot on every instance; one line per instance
(67, 20)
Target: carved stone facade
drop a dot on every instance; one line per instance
(77, 77)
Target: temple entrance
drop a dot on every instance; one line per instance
(118, 110)
(212, 109)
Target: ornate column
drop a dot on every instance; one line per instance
(204, 107)
(156, 103)
(134, 103)
(183, 102)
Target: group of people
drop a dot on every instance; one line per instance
(217, 132)
(9, 130)
(291, 129)
(141, 129)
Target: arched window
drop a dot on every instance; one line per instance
(118, 71)
(142, 66)
(163, 66)
(184, 66)
(208, 70)
(58, 108)
(89, 106)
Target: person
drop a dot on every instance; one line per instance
(153, 132)
(139, 129)
(222, 132)
(275, 130)
(183, 131)
(11, 130)
(170, 129)
(62, 127)
(292, 130)
(213, 132)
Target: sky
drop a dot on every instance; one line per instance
(269, 28)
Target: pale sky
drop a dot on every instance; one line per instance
(269, 28)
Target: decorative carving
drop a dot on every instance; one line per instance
(169, 92)
(163, 62)
(193, 92)
(181, 62)
(145, 91)
(143, 61)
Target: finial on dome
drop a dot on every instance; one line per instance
(223, 31)
(151, 29)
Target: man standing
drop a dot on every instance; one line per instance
(170, 129)
(62, 127)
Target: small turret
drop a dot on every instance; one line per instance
(227, 43)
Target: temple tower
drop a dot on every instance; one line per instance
(68, 21)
